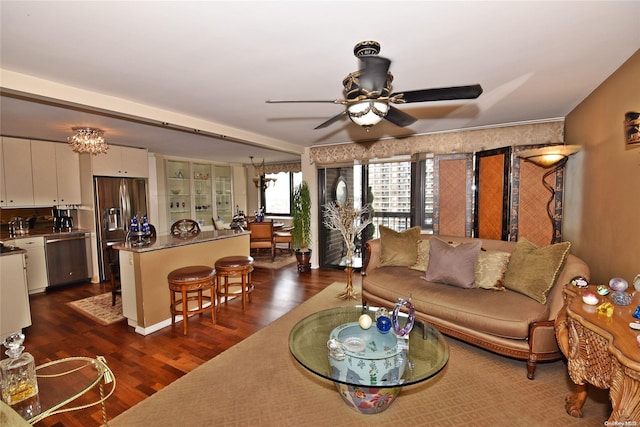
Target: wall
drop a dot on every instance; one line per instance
(602, 203)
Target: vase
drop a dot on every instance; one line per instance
(349, 293)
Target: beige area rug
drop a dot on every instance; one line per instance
(258, 383)
(279, 262)
(99, 308)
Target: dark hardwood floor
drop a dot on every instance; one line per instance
(145, 364)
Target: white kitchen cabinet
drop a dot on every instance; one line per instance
(43, 161)
(36, 262)
(121, 161)
(68, 175)
(3, 187)
(14, 298)
(56, 174)
(17, 172)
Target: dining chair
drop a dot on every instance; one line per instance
(283, 236)
(262, 237)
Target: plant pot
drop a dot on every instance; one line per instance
(304, 260)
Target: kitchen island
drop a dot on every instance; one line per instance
(144, 270)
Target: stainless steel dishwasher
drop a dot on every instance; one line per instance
(67, 259)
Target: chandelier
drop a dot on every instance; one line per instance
(88, 140)
(260, 180)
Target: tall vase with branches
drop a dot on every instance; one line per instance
(350, 222)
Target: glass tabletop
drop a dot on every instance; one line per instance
(421, 356)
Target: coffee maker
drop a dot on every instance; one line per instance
(62, 220)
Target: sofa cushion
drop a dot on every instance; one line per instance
(452, 265)
(490, 269)
(506, 314)
(398, 248)
(423, 256)
(532, 271)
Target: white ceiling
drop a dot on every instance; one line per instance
(211, 65)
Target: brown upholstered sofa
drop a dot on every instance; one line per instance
(503, 321)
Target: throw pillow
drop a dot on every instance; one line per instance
(532, 271)
(452, 265)
(398, 248)
(490, 269)
(423, 256)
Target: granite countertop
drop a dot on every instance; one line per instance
(41, 232)
(165, 242)
(11, 250)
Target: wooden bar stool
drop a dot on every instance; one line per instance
(190, 282)
(234, 266)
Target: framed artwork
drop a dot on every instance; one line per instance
(632, 127)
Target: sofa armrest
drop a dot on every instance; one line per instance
(372, 255)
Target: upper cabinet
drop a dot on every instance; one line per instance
(121, 161)
(16, 173)
(56, 174)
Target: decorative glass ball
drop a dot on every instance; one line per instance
(618, 284)
(384, 324)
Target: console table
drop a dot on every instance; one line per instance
(601, 351)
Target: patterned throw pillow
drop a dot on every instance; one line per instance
(452, 265)
(490, 269)
(422, 261)
(398, 248)
(532, 271)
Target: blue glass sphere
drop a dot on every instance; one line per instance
(384, 324)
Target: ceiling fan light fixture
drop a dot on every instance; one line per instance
(88, 140)
(367, 113)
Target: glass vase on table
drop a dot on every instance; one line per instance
(349, 293)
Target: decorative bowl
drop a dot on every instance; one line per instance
(369, 357)
(175, 192)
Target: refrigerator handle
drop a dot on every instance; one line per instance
(126, 205)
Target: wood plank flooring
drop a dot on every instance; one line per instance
(145, 364)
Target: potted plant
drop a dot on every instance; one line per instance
(301, 233)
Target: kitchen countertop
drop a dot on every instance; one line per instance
(41, 232)
(11, 250)
(165, 242)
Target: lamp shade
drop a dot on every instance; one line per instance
(367, 113)
(550, 155)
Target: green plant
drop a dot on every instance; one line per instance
(301, 212)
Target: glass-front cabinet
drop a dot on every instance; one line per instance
(179, 186)
(224, 199)
(199, 191)
(202, 193)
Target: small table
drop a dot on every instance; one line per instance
(601, 351)
(427, 354)
(60, 382)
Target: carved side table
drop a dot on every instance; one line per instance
(601, 351)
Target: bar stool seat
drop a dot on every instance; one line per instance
(230, 267)
(190, 282)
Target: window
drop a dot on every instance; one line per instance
(277, 197)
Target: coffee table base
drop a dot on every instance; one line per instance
(367, 400)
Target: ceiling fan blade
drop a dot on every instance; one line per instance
(399, 117)
(331, 121)
(441, 94)
(280, 101)
(373, 73)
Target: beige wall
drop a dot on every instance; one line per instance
(602, 193)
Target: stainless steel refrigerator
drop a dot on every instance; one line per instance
(117, 200)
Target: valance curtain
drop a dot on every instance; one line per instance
(469, 141)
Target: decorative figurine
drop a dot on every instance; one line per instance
(404, 331)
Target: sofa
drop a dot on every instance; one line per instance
(507, 307)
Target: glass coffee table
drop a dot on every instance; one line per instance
(368, 367)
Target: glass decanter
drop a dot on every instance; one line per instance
(18, 378)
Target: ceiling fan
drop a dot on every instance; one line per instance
(368, 95)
